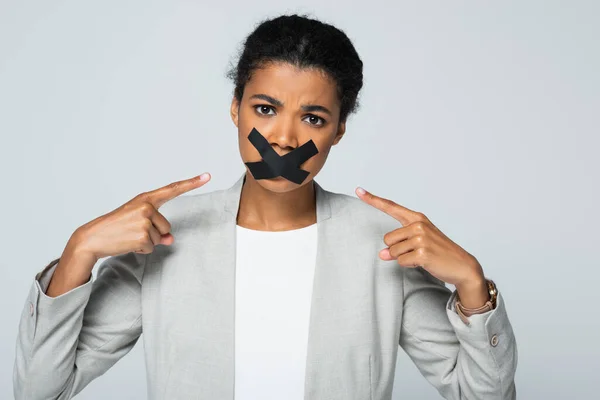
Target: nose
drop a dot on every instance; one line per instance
(283, 135)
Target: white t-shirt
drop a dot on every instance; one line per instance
(273, 289)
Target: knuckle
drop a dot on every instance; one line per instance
(174, 185)
(140, 198)
(419, 239)
(419, 226)
(146, 209)
(144, 239)
(146, 225)
(421, 253)
(387, 239)
(419, 216)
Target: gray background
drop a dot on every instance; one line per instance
(482, 115)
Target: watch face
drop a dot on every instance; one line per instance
(493, 292)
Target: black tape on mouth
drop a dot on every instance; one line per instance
(274, 165)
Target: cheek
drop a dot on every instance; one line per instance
(247, 119)
(324, 147)
(244, 127)
(324, 144)
(247, 151)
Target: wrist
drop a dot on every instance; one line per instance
(73, 270)
(474, 292)
(77, 260)
(474, 281)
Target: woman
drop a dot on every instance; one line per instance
(274, 287)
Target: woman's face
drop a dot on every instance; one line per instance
(289, 107)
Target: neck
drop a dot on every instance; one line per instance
(264, 210)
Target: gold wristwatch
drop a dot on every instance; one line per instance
(489, 305)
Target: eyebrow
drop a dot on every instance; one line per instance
(279, 103)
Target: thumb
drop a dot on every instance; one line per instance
(385, 255)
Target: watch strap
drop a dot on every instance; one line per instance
(489, 305)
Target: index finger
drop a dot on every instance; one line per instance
(160, 196)
(393, 209)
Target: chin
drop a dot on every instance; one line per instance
(280, 185)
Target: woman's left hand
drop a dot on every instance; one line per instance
(420, 243)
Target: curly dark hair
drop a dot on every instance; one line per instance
(305, 43)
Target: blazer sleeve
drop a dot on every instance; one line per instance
(65, 342)
(475, 361)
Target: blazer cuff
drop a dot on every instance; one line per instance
(42, 278)
(71, 301)
(42, 314)
(491, 325)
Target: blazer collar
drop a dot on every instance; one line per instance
(233, 195)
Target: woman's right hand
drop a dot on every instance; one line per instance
(136, 226)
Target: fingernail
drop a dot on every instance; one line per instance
(361, 190)
(204, 177)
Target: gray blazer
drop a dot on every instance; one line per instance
(182, 298)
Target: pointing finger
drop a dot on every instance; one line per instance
(160, 196)
(400, 213)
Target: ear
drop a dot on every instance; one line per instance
(235, 110)
(340, 132)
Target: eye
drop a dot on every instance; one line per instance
(264, 109)
(314, 120)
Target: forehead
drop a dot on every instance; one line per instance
(293, 85)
